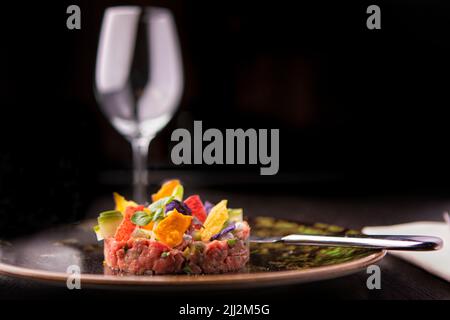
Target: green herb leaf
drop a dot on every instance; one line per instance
(158, 215)
(187, 269)
(165, 254)
(157, 208)
(161, 203)
(178, 193)
(141, 218)
(231, 242)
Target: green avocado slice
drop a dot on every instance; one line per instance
(108, 222)
(235, 215)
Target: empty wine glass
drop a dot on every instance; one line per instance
(138, 78)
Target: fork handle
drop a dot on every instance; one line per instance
(388, 242)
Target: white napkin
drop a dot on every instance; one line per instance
(435, 262)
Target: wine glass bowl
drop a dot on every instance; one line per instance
(138, 78)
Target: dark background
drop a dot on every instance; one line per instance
(360, 111)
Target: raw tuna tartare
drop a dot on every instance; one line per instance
(172, 235)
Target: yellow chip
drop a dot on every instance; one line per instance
(215, 220)
(122, 203)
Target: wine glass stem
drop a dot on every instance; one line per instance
(140, 173)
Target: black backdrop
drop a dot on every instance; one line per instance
(367, 106)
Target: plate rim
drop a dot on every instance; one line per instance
(191, 281)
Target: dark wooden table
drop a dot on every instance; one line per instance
(399, 279)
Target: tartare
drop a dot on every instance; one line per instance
(172, 235)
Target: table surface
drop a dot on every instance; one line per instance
(399, 279)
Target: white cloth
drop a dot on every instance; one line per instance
(435, 262)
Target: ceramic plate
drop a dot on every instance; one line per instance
(48, 254)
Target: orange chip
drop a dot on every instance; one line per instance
(166, 189)
(149, 226)
(172, 228)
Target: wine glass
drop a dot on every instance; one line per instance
(138, 78)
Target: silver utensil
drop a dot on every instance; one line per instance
(388, 242)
